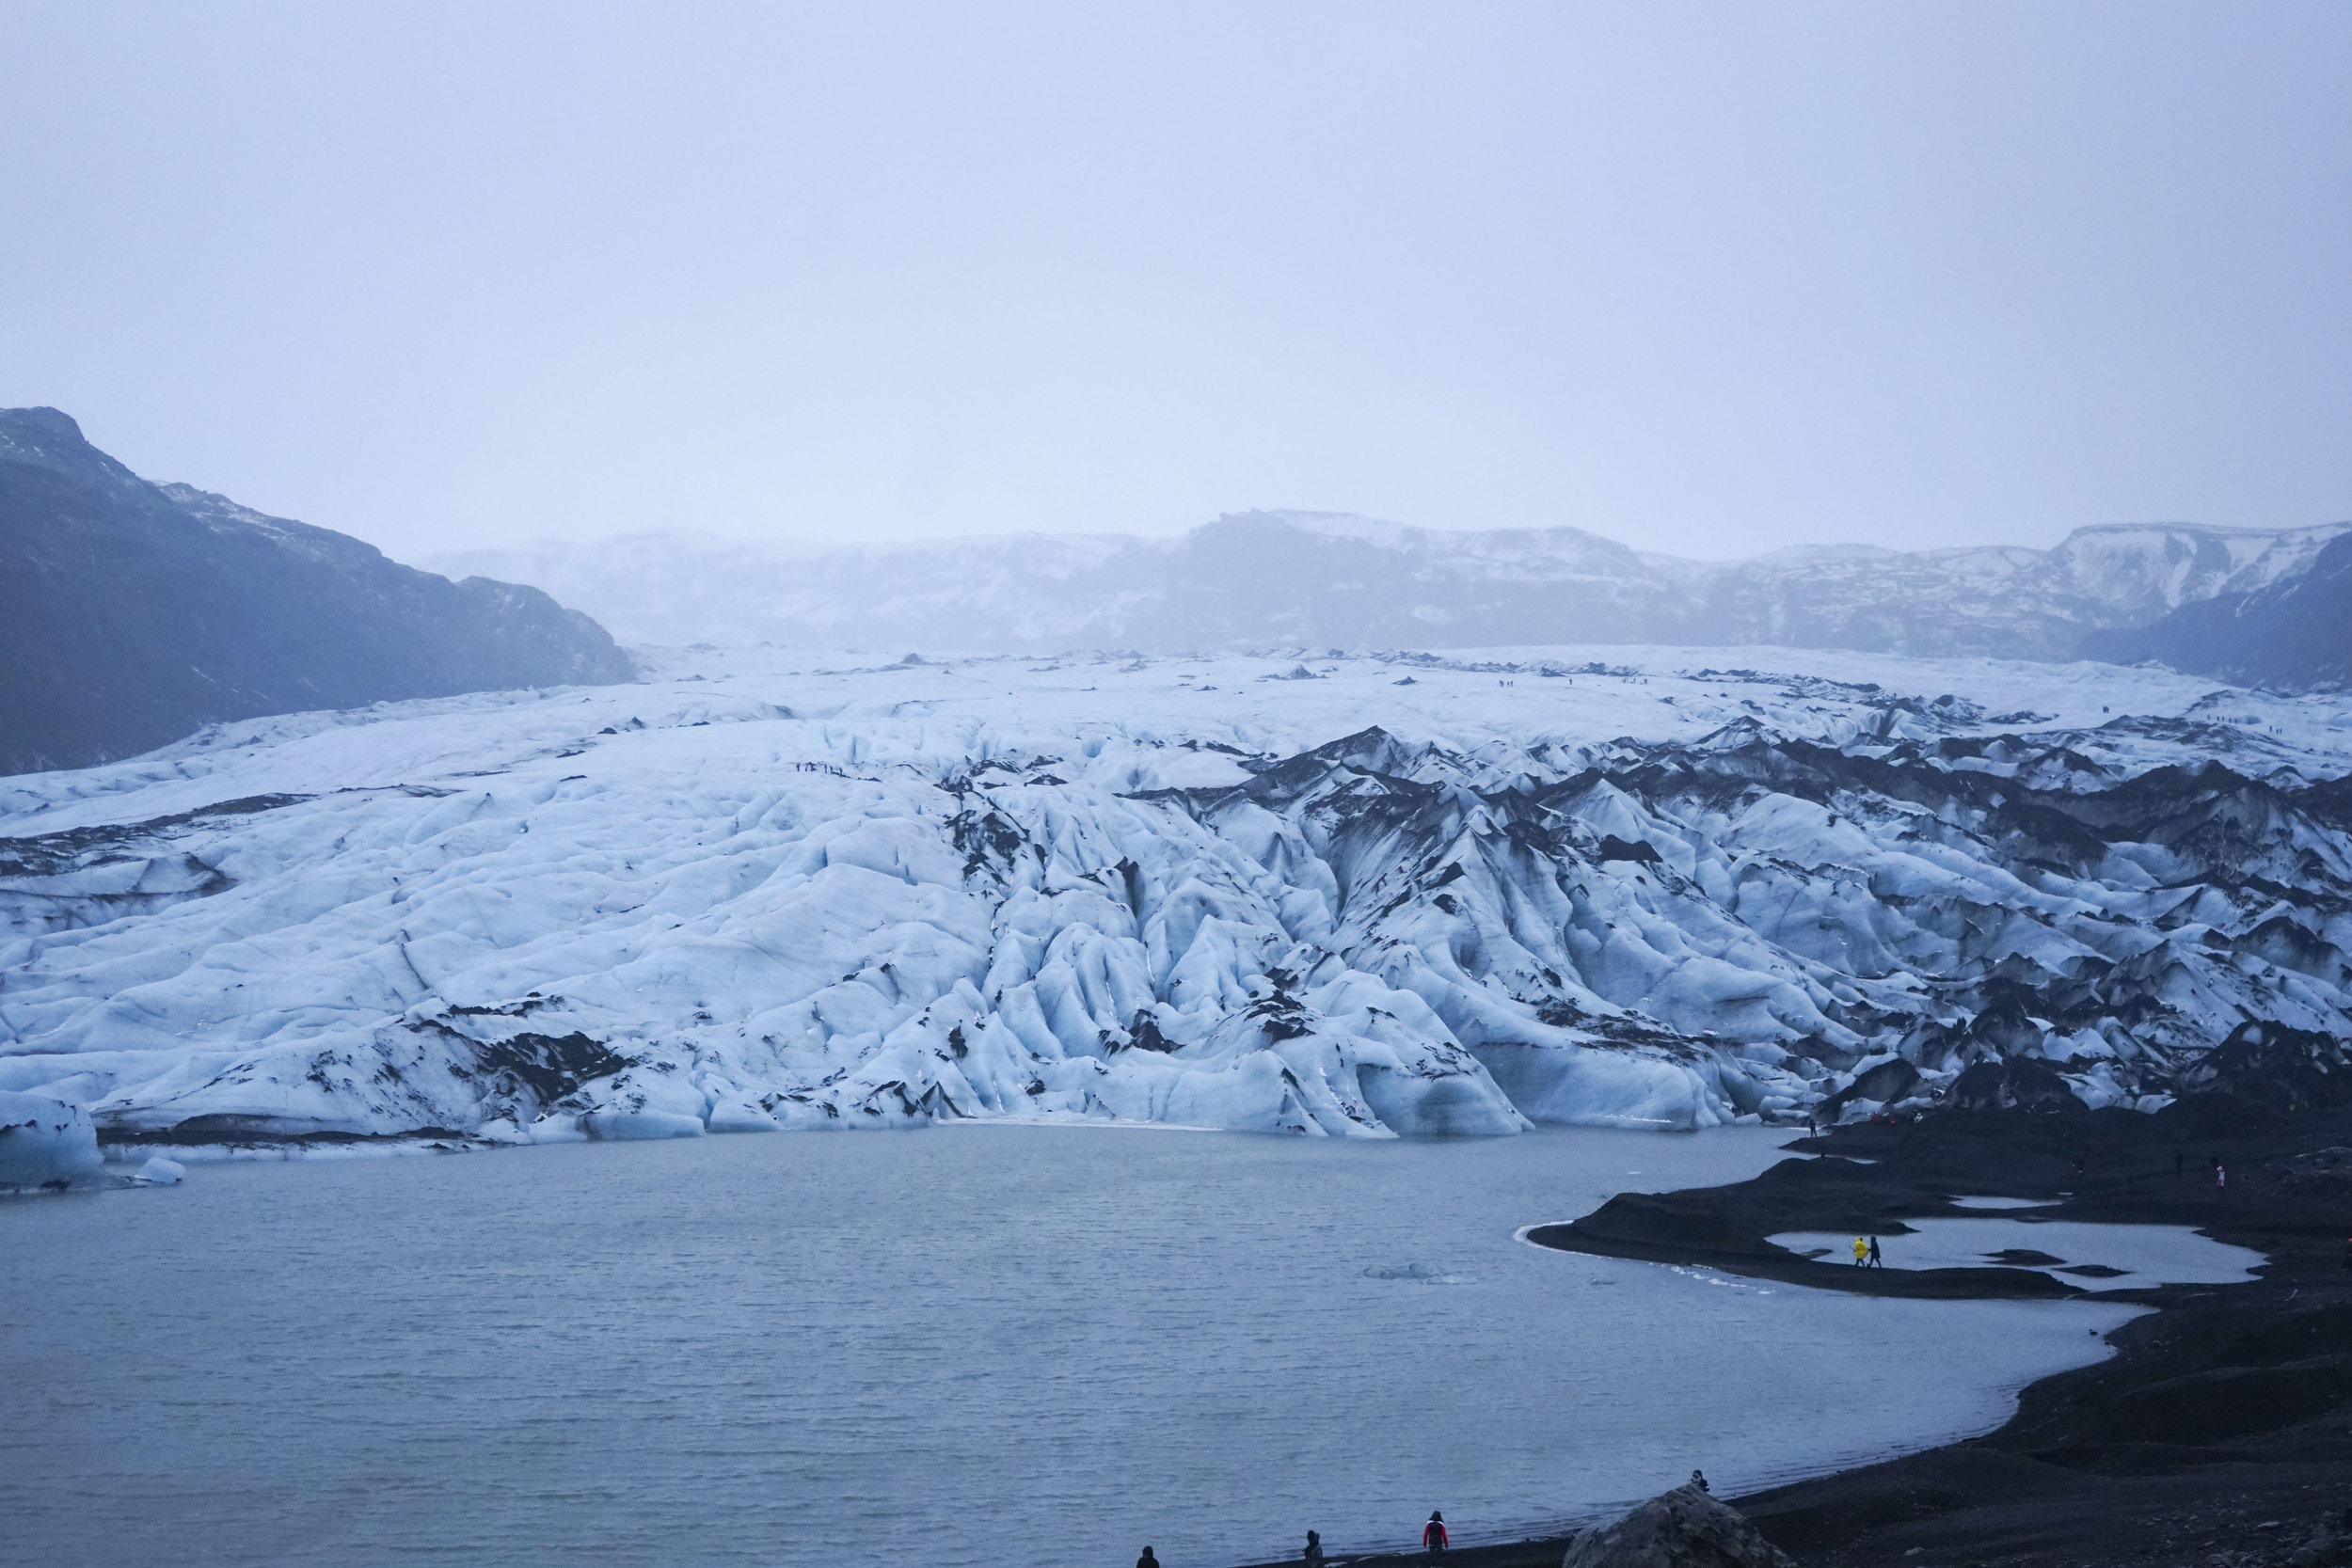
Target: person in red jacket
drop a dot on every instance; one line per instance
(1433, 1535)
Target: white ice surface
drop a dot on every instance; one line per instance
(160, 1172)
(785, 891)
(44, 1141)
(2149, 1254)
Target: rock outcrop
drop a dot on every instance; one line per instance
(1682, 1528)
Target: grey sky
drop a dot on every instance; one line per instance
(1706, 279)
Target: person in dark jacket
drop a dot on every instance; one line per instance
(1313, 1554)
(1433, 1534)
(1147, 1559)
(1876, 1262)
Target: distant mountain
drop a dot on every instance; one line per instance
(132, 613)
(1320, 580)
(2295, 632)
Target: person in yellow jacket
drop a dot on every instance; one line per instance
(1861, 1252)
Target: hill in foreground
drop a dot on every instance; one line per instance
(133, 614)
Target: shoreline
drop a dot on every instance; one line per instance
(2220, 1430)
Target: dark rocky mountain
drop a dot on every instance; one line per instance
(2294, 633)
(132, 613)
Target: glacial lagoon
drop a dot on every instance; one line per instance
(979, 1345)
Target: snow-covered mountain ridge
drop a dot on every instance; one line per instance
(1330, 580)
(1349, 897)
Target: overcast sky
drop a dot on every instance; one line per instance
(1710, 279)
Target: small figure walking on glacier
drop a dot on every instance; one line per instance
(1876, 1262)
(1433, 1534)
(1312, 1556)
(1861, 1252)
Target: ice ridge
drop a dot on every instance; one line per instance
(1532, 886)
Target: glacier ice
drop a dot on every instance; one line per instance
(160, 1172)
(45, 1143)
(762, 891)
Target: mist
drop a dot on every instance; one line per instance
(1636, 669)
(1701, 279)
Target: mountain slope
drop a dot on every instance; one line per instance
(1316, 579)
(1365, 897)
(132, 613)
(2296, 632)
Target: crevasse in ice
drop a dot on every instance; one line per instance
(749, 895)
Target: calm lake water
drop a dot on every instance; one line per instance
(971, 1345)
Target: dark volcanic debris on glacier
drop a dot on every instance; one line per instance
(533, 918)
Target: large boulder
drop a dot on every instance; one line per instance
(1683, 1529)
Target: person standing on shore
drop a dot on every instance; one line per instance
(1313, 1554)
(2220, 1176)
(1433, 1534)
(1147, 1559)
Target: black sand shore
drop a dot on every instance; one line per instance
(2216, 1436)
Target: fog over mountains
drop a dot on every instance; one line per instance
(2290, 632)
(132, 613)
(1402, 890)
(1328, 580)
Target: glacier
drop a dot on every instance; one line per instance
(45, 1143)
(1354, 895)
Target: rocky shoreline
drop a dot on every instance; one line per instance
(2218, 1435)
